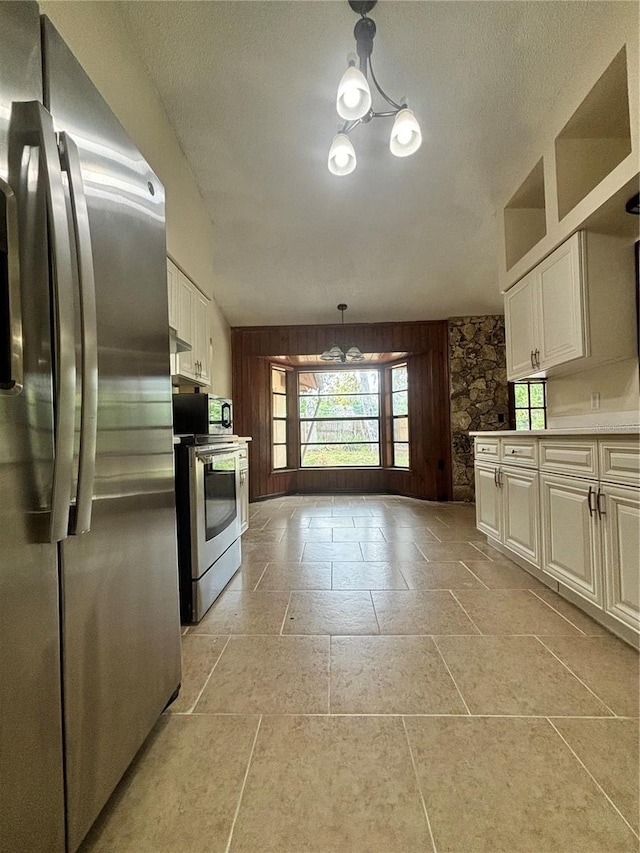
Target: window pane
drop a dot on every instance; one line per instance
(340, 406)
(401, 429)
(279, 406)
(339, 382)
(536, 389)
(522, 419)
(279, 432)
(278, 381)
(401, 455)
(399, 403)
(522, 397)
(537, 419)
(338, 432)
(339, 455)
(399, 378)
(279, 456)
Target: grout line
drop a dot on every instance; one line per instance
(467, 615)
(455, 684)
(284, 618)
(533, 592)
(209, 676)
(244, 782)
(475, 575)
(266, 566)
(568, 668)
(579, 760)
(460, 716)
(375, 613)
(417, 778)
(329, 680)
(439, 541)
(487, 558)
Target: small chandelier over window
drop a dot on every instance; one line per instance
(336, 353)
(353, 101)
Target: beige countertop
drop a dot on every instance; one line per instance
(595, 431)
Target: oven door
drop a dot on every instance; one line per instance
(215, 496)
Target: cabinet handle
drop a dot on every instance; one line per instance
(514, 450)
(495, 477)
(500, 477)
(591, 508)
(601, 511)
(532, 362)
(536, 355)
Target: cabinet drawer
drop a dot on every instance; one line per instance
(519, 451)
(569, 457)
(620, 461)
(487, 448)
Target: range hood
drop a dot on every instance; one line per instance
(176, 344)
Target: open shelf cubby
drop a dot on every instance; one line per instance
(596, 138)
(525, 216)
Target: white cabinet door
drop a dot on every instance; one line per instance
(520, 305)
(172, 293)
(488, 500)
(186, 325)
(561, 305)
(571, 541)
(520, 498)
(620, 518)
(202, 339)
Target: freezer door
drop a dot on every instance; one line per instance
(121, 633)
(31, 776)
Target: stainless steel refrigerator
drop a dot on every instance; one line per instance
(89, 626)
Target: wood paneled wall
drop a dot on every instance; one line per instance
(429, 429)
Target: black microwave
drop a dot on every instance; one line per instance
(202, 414)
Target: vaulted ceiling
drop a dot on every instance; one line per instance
(250, 88)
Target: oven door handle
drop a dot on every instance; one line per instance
(225, 415)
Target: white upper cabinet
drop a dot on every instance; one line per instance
(186, 326)
(172, 293)
(189, 315)
(202, 339)
(574, 310)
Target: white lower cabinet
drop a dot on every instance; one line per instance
(571, 534)
(507, 508)
(620, 516)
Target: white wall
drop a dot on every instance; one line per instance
(569, 397)
(96, 34)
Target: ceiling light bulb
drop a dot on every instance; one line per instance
(406, 137)
(354, 97)
(342, 157)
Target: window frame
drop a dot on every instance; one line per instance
(280, 418)
(513, 409)
(391, 417)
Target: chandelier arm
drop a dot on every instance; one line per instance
(382, 92)
(385, 114)
(350, 125)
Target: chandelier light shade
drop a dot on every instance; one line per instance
(344, 353)
(342, 157)
(354, 104)
(405, 135)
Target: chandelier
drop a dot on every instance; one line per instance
(354, 101)
(336, 353)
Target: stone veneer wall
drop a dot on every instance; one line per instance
(477, 390)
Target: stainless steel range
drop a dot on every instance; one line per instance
(208, 509)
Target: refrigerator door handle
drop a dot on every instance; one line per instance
(32, 125)
(12, 383)
(89, 400)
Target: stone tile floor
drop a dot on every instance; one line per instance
(376, 679)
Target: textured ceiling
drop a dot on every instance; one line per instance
(249, 88)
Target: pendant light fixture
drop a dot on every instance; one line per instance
(353, 101)
(336, 353)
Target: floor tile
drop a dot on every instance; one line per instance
(607, 665)
(170, 800)
(335, 551)
(247, 576)
(510, 786)
(391, 551)
(269, 675)
(308, 534)
(351, 510)
(296, 576)
(200, 653)
(334, 612)
(245, 612)
(390, 675)
(357, 534)
(438, 576)
(280, 551)
(420, 612)
(408, 534)
(503, 574)
(340, 521)
(572, 613)
(287, 522)
(367, 576)
(268, 536)
(331, 785)
(512, 611)
(609, 750)
(378, 521)
(445, 552)
(515, 675)
(457, 533)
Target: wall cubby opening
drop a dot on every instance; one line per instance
(596, 138)
(525, 216)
